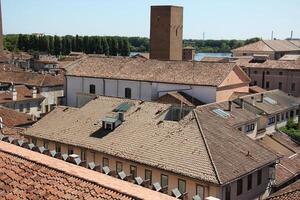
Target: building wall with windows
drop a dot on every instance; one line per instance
(53, 96)
(29, 107)
(269, 79)
(191, 185)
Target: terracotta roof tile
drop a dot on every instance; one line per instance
(268, 46)
(291, 192)
(181, 72)
(27, 174)
(12, 118)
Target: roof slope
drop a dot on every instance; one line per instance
(233, 154)
(31, 79)
(256, 46)
(27, 174)
(282, 101)
(181, 72)
(12, 118)
(291, 192)
(145, 137)
(274, 64)
(281, 45)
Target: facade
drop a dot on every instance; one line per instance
(49, 86)
(273, 49)
(137, 78)
(188, 53)
(166, 32)
(22, 99)
(32, 175)
(283, 75)
(141, 141)
(274, 107)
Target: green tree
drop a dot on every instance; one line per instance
(105, 46)
(57, 45)
(125, 49)
(114, 47)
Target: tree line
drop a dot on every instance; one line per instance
(63, 45)
(108, 45)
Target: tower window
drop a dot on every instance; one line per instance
(280, 85)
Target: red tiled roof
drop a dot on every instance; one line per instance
(291, 192)
(23, 94)
(12, 118)
(27, 174)
(31, 79)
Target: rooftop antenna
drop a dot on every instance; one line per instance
(272, 35)
(292, 33)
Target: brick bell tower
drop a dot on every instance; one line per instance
(166, 32)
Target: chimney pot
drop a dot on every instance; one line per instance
(34, 92)
(262, 97)
(14, 94)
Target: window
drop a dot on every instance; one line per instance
(57, 148)
(280, 85)
(267, 72)
(287, 115)
(200, 191)
(46, 144)
(227, 193)
(82, 154)
(164, 180)
(28, 107)
(244, 54)
(267, 84)
(133, 171)
(278, 118)
(105, 162)
(33, 141)
(282, 117)
(128, 93)
(181, 186)
(21, 108)
(292, 114)
(92, 89)
(70, 150)
(148, 175)
(239, 189)
(119, 166)
(259, 177)
(249, 178)
(250, 127)
(255, 83)
(271, 120)
(280, 73)
(39, 107)
(293, 88)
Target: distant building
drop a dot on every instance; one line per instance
(139, 78)
(182, 151)
(166, 33)
(273, 49)
(188, 53)
(21, 99)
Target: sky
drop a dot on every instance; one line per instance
(218, 19)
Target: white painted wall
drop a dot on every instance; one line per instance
(139, 90)
(51, 95)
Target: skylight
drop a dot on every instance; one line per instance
(270, 100)
(123, 107)
(221, 113)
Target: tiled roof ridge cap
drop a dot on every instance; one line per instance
(42, 162)
(206, 147)
(268, 45)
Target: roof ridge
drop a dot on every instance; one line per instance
(206, 147)
(268, 45)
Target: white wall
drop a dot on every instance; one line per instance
(51, 95)
(139, 90)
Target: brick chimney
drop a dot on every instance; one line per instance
(34, 92)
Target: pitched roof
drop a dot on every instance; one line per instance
(273, 64)
(12, 118)
(146, 137)
(290, 57)
(31, 79)
(232, 153)
(178, 98)
(23, 94)
(274, 101)
(291, 192)
(138, 69)
(269, 46)
(295, 42)
(237, 116)
(28, 174)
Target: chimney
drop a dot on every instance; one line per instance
(14, 93)
(253, 100)
(242, 104)
(262, 97)
(34, 92)
(229, 106)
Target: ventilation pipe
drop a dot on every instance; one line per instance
(262, 97)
